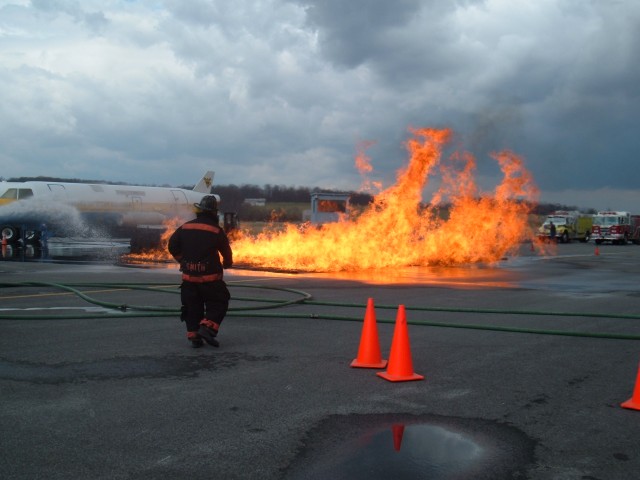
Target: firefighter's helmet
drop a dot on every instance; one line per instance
(209, 203)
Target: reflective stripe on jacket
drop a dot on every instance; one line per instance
(202, 248)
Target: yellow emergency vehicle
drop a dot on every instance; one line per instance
(569, 225)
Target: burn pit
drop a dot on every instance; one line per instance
(398, 230)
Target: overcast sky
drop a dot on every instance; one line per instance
(283, 91)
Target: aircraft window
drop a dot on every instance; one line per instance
(25, 193)
(11, 193)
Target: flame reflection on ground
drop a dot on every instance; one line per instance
(461, 277)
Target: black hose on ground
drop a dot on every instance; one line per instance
(118, 310)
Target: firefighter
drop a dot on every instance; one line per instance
(198, 245)
(552, 232)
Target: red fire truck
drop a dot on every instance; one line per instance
(616, 227)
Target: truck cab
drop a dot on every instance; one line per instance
(617, 227)
(569, 225)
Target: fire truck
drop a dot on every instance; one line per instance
(569, 225)
(616, 227)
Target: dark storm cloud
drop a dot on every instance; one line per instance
(405, 42)
(351, 33)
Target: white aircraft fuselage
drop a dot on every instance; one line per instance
(25, 204)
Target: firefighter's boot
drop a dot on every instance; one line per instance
(209, 330)
(195, 339)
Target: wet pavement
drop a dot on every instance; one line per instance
(67, 250)
(526, 364)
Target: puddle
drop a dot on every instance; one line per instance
(407, 447)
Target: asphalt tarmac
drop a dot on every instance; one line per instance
(525, 365)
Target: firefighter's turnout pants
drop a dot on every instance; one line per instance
(203, 300)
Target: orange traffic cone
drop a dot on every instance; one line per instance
(369, 355)
(597, 251)
(4, 240)
(634, 402)
(400, 367)
(398, 431)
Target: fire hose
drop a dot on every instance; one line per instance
(119, 310)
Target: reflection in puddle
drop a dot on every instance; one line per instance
(407, 452)
(376, 447)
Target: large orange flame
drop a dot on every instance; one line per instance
(156, 252)
(397, 231)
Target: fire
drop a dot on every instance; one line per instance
(158, 252)
(398, 231)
